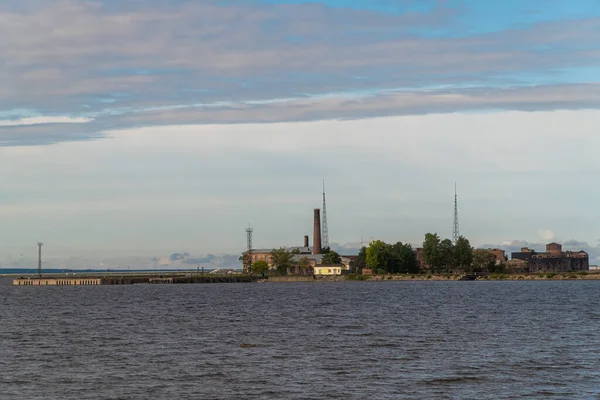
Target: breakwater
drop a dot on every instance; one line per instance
(186, 278)
(129, 279)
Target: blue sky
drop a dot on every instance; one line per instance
(145, 128)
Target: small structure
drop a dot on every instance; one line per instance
(328, 269)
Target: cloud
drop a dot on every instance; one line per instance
(545, 97)
(167, 62)
(176, 257)
(44, 120)
(546, 235)
(536, 98)
(124, 262)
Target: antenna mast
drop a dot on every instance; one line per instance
(324, 232)
(455, 233)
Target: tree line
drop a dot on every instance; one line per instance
(440, 255)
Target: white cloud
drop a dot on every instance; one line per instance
(69, 55)
(44, 120)
(546, 235)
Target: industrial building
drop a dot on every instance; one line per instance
(554, 259)
(311, 255)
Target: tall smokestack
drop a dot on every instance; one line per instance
(317, 232)
(305, 240)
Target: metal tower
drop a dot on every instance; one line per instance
(40, 244)
(248, 261)
(455, 233)
(324, 232)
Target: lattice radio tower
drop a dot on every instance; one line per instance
(248, 264)
(455, 232)
(324, 232)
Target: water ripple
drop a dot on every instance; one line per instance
(345, 340)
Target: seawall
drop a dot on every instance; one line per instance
(579, 275)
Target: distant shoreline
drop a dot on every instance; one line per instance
(579, 275)
(549, 276)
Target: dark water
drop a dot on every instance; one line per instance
(350, 340)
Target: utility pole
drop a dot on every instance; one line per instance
(40, 244)
(249, 245)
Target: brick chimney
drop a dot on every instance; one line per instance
(305, 240)
(317, 232)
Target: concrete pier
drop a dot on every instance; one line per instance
(56, 281)
(152, 278)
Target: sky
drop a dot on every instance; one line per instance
(133, 132)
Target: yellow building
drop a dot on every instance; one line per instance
(323, 269)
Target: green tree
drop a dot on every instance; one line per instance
(446, 253)
(331, 257)
(402, 259)
(295, 251)
(377, 255)
(431, 251)
(361, 261)
(282, 259)
(482, 260)
(498, 268)
(260, 267)
(391, 258)
(304, 265)
(463, 254)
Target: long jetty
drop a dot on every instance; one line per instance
(130, 279)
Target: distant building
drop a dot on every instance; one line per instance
(516, 265)
(265, 254)
(554, 259)
(325, 269)
(316, 260)
(499, 255)
(299, 253)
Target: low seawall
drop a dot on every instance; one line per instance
(579, 275)
(289, 278)
(124, 279)
(57, 281)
